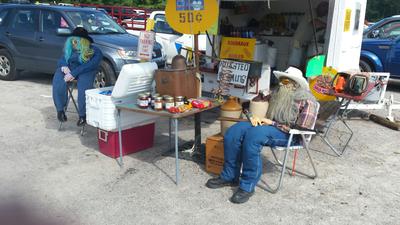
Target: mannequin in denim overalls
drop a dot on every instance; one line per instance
(75, 68)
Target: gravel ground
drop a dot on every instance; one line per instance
(58, 177)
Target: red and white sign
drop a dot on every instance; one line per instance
(146, 44)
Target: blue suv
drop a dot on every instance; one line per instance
(32, 38)
(380, 51)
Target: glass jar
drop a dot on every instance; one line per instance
(148, 94)
(158, 103)
(143, 101)
(153, 99)
(179, 101)
(169, 102)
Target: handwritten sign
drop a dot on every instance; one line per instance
(239, 71)
(237, 48)
(191, 16)
(146, 44)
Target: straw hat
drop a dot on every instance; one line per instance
(294, 74)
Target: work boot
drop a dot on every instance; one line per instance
(61, 116)
(241, 196)
(82, 121)
(218, 182)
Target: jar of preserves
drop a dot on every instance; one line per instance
(148, 94)
(179, 101)
(169, 102)
(143, 101)
(158, 103)
(153, 97)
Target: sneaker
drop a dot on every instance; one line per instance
(218, 182)
(81, 122)
(241, 196)
(61, 116)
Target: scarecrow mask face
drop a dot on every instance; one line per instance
(288, 83)
(74, 43)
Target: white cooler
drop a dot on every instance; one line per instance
(132, 80)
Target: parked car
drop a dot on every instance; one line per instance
(167, 37)
(32, 38)
(380, 50)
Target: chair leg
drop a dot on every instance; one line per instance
(294, 163)
(275, 190)
(337, 151)
(70, 96)
(292, 170)
(310, 158)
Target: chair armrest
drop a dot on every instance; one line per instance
(221, 118)
(304, 132)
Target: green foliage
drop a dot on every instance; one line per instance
(379, 9)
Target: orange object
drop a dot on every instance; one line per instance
(215, 154)
(339, 87)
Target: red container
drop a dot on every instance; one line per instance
(133, 140)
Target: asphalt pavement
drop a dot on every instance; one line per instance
(59, 177)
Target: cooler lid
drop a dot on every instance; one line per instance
(134, 78)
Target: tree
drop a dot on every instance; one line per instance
(379, 9)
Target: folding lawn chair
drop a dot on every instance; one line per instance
(70, 90)
(330, 113)
(306, 136)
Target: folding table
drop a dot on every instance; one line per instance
(173, 118)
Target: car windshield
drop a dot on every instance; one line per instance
(95, 22)
(161, 25)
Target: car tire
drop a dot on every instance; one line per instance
(7, 66)
(105, 76)
(365, 66)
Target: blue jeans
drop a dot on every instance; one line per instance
(60, 96)
(242, 147)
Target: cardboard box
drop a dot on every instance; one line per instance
(215, 154)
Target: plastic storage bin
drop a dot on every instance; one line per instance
(133, 140)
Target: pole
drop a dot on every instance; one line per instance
(313, 24)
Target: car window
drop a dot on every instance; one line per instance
(161, 25)
(25, 20)
(52, 20)
(95, 22)
(388, 31)
(3, 15)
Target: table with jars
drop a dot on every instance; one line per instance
(172, 107)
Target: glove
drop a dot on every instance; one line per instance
(255, 121)
(68, 77)
(65, 70)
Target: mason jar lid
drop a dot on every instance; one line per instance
(158, 98)
(169, 98)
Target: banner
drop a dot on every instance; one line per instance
(146, 44)
(238, 71)
(237, 48)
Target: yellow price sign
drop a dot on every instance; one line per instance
(237, 48)
(191, 16)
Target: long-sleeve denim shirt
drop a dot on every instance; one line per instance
(79, 69)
